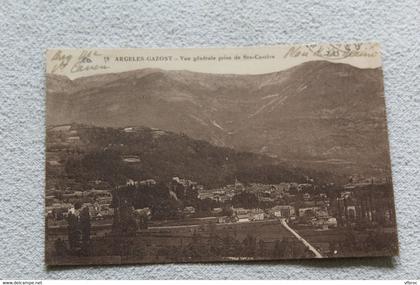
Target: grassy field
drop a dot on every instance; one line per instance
(346, 242)
(186, 243)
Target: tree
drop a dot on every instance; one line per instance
(280, 248)
(249, 245)
(166, 209)
(245, 200)
(72, 231)
(124, 219)
(261, 248)
(85, 224)
(60, 247)
(207, 205)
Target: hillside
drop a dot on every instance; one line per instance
(317, 113)
(115, 155)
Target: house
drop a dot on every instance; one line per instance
(129, 130)
(351, 211)
(322, 213)
(58, 211)
(266, 199)
(148, 182)
(217, 211)
(185, 182)
(205, 195)
(308, 211)
(74, 140)
(256, 215)
(278, 191)
(325, 222)
(74, 194)
(239, 187)
(131, 182)
(245, 215)
(346, 195)
(283, 187)
(131, 158)
(146, 212)
(241, 214)
(240, 211)
(106, 210)
(331, 222)
(265, 194)
(282, 211)
(243, 218)
(305, 187)
(101, 196)
(142, 216)
(215, 194)
(323, 196)
(189, 210)
(223, 219)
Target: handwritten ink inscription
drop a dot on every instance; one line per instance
(86, 61)
(62, 61)
(332, 52)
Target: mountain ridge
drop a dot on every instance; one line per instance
(316, 110)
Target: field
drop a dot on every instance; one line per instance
(340, 242)
(206, 242)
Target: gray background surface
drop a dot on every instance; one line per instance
(29, 27)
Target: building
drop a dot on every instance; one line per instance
(105, 210)
(101, 196)
(256, 215)
(239, 187)
(241, 215)
(246, 215)
(58, 211)
(308, 211)
(189, 210)
(223, 219)
(131, 182)
(243, 218)
(351, 212)
(148, 182)
(305, 187)
(325, 222)
(219, 195)
(282, 211)
(184, 182)
(216, 211)
(73, 140)
(131, 158)
(129, 130)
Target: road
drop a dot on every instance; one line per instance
(307, 244)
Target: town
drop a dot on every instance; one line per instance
(305, 208)
(182, 220)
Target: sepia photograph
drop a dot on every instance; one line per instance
(217, 155)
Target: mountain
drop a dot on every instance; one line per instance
(318, 114)
(116, 155)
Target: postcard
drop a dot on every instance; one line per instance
(217, 154)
